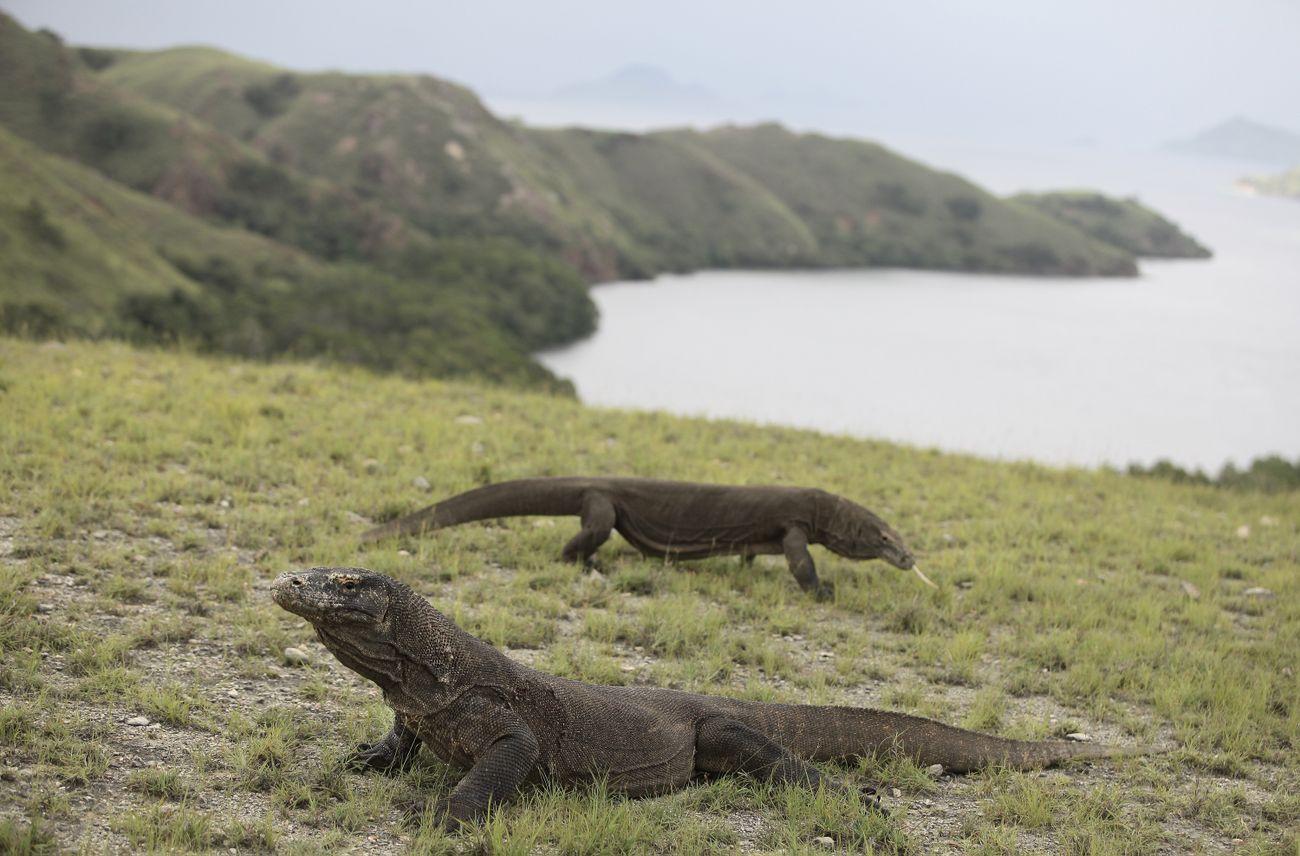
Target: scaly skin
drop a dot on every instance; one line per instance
(507, 724)
(680, 520)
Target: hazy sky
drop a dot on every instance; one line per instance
(1121, 71)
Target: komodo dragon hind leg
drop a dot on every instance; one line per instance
(727, 746)
(395, 753)
(597, 523)
(795, 547)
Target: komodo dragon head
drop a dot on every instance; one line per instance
(339, 597)
(855, 533)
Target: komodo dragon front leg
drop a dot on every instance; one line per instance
(503, 753)
(795, 547)
(395, 753)
(598, 518)
(727, 746)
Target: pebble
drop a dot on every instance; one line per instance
(895, 793)
(1266, 520)
(421, 483)
(296, 657)
(353, 517)
(44, 607)
(1243, 531)
(304, 501)
(1080, 736)
(467, 419)
(935, 770)
(1257, 591)
(824, 841)
(403, 552)
(138, 721)
(233, 693)
(1190, 590)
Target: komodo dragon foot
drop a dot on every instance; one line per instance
(392, 755)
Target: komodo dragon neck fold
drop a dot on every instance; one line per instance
(508, 724)
(682, 520)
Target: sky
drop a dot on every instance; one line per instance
(1124, 72)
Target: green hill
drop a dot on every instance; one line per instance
(615, 204)
(867, 205)
(267, 261)
(83, 255)
(1123, 223)
(150, 498)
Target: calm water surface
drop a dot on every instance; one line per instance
(1198, 362)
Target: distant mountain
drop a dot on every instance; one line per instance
(1282, 184)
(641, 85)
(1244, 139)
(1123, 223)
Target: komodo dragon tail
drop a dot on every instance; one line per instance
(507, 499)
(829, 733)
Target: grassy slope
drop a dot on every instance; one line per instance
(1123, 223)
(614, 203)
(104, 241)
(98, 244)
(864, 203)
(152, 496)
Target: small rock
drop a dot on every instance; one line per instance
(99, 534)
(233, 693)
(138, 721)
(353, 517)
(895, 793)
(1079, 736)
(628, 667)
(467, 419)
(420, 483)
(403, 552)
(596, 575)
(1266, 520)
(1190, 590)
(296, 657)
(304, 501)
(1287, 671)
(44, 607)
(824, 841)
(934, 770)
(225, 503)
(1257, 591)
(965, 584)
(1243, 531)
(153, 726)
(825, 655)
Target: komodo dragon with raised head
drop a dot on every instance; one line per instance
(680, 520)
(508, 724)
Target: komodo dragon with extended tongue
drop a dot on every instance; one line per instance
(508, 724)
(680, 520)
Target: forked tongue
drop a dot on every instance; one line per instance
(923, 577)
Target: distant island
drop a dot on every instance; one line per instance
(1280, 184)
(394, 222)
(1244, 139)
(1123, 223)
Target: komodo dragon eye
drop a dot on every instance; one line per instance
(349, 585)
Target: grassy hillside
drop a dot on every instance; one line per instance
(83, 255)
(1123, 223)
(249, 256)
(152, 496)
(614, 204)
(868, 205)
